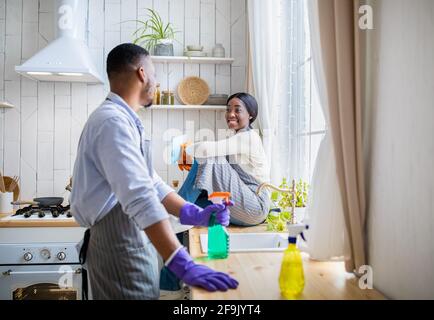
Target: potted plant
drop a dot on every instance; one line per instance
(281, 212)
(154, 35)
(301, 195)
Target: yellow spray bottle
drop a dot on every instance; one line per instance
(291, 279)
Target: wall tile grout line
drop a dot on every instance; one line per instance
(21, 98)
(2, 122)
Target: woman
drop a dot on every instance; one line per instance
(236, 164)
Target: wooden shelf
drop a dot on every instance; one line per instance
(200, 60)
(186, 107)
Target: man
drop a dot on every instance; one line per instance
(117, 195)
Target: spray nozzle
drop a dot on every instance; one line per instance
(296, 229)
(219, 197)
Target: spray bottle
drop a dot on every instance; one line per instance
(218, 236)
(291, 279)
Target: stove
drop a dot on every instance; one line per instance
(35, 212)
(41, 212)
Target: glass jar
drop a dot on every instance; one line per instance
(167, 98)
(157, 96)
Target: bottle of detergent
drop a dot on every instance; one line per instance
(291, 279)
(218, 236)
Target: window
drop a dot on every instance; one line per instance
(301, 122)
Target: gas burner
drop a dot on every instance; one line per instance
(41, 212)
(26, 214)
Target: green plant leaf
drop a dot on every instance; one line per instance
(153, 30)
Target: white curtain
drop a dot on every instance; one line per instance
(270, 36)
(265, 64)
(326, 236)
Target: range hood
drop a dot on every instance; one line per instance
(67, 58)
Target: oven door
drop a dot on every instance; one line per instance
(40, 282)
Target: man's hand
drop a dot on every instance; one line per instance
(183, 266)
(194, 215)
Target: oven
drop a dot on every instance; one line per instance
(41, 270)
(45, 282)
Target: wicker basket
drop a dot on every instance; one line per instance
(193, 91)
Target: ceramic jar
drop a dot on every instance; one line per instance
(218, 51)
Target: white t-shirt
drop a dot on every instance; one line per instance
(243, 148)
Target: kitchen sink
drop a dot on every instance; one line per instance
(251, 242)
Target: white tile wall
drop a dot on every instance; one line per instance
(38, 139)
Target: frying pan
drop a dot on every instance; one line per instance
(43, 202)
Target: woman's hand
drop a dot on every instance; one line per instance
(185, 160)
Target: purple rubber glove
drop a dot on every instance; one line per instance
(183, 266)
(194, 215)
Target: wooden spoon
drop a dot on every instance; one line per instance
(2, 184)
(13, 184)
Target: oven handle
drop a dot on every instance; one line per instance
(15, 273)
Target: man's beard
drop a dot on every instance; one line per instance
(146, 91)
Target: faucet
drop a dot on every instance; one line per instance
(291, 190)
(69, 186)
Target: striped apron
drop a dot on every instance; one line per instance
(121, 261)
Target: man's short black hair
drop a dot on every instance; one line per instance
(123, 57)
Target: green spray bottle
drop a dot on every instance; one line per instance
(218, 236)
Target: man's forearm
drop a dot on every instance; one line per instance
(163, 238)
(173, 203)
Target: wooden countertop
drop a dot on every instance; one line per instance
(258, 275)
(36, 223)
